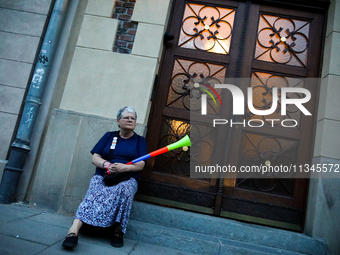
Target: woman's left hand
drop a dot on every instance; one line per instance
(118, 168)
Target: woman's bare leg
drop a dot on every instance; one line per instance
(75, 226)
(71, 239)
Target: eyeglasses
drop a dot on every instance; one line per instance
(129, 118)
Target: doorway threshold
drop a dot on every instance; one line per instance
(224, 214)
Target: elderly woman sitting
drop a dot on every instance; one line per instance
(105, 206)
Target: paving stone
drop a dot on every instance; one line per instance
(54, 219)
(84, 248)
(34, 231)
(16, 246)
(9, 213)
(142, 249)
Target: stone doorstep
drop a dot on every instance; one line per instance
(193, 226)
(195, 242)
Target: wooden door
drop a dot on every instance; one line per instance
(228, 39)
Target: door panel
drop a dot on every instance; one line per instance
(227, 39)
(271, 55)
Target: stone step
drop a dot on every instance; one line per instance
(194, 242)
(206, 234)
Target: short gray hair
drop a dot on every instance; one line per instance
(127, 109)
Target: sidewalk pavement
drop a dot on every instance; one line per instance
(31, 231)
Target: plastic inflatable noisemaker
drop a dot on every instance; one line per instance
(185, 141)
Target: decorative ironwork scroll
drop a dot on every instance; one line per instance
(260, 150)
(207, 28)
(263, 84)
(282, 40)
(183, 92)
(177, 162)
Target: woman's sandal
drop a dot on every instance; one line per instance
(117, 240)
(70, 241)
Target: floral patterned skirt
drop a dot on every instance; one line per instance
(103, 205)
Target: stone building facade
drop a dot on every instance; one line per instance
(109, 55)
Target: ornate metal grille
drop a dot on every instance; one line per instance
(207, 28)
(282, 40)
(183, 92)
(177, 162)
(257, 150)
(262, 84)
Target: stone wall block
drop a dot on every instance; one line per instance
(91, 130)
(329, 103)
(100, 7)
(323, 206)
(148, 11)
(326, 56)
(98, 33)
(2, 167)
(11, 99)
(326, 143)
(150, 45)
(336, 27)
(14, 73)
(7, 124)
(55, 161)
(22, 22)
(18, 47)
(333, 21)
(34, 6)
(115, 79)
(331, 55)
(335, 54)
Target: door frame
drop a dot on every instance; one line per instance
(156, 110)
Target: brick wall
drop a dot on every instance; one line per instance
(126, 30)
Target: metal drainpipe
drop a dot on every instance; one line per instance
(21, 146)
